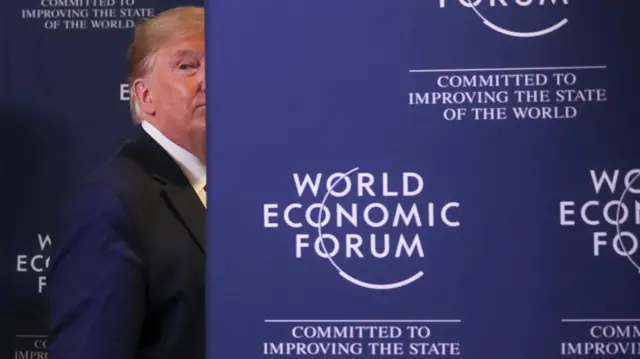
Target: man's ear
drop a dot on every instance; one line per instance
(142, 92)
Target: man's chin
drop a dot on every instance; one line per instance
(198, 135)
(200, 113)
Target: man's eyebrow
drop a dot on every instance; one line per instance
(184, 52)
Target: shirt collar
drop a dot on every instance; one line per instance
(195, 170)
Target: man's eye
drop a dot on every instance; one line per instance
(185, 66)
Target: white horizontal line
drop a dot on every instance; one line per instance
(363, 321)
(601, 320)
(31, 336)
(598, 67)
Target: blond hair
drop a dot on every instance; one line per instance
(151, 35)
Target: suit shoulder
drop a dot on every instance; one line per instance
(115, 191)
(101, 202)
(124, 176)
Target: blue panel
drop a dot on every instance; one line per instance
(488, 121)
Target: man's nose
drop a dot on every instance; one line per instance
(202, 77)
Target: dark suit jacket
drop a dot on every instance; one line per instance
(126, 278)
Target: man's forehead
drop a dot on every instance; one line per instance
(185, 46)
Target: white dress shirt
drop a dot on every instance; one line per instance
(195, 170)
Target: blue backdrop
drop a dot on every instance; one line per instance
(63, 110)
(486, 144)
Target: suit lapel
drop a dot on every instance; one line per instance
(176, 189)
(189, 210)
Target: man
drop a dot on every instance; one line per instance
(127, 272)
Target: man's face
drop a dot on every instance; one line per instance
(178, 91)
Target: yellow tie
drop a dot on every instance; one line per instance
(203, 196)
